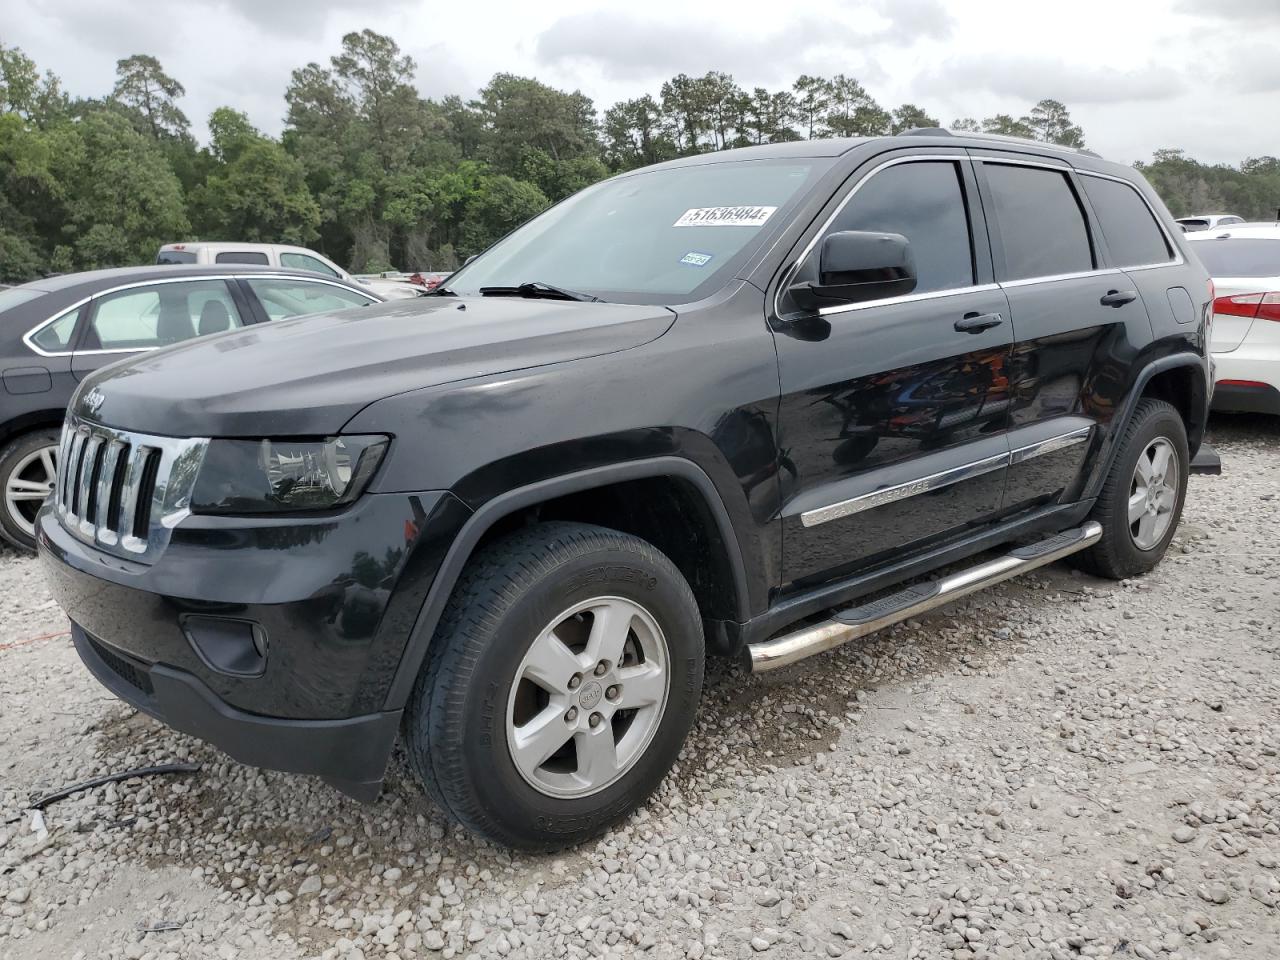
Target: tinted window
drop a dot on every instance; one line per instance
(1194, 224)
(925, 203)
(241, 256)
(1042, 228)
(300, 261)
(1239, 257)
(1229, 220)
(292, 298)
(56, 337)
(1133, 236)
(158, 315)
(175, 256)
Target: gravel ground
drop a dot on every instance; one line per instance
(1059, 767)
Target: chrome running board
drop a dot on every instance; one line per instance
(854, 622)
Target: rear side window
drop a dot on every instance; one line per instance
(56, 337)
(923, 201)
(1042, 228)
(175, 256)
(1239, 257)
(241, 256)
(1133, 236)
(291, 298)
(300, 261)
(165, 313)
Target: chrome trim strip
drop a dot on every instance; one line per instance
(1079, 275)
(901, 491)
(908, 298)
(1052, 445)
(28, 337)
(944, 478)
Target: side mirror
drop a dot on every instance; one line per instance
(855, 266)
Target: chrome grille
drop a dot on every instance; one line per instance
(121, 491)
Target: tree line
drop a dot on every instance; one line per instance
(374, 175)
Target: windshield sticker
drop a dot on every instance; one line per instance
(725, 217)
(695, 259)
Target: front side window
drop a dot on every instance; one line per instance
(300, 261)
(56, 337)
(1133, 236)
(282, 298)
(923, 201)
(241, 256)
(144, 317)
(1041, 226)
(664, 236)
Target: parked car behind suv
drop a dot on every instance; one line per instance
(258, 254)
(740, 404)
(55, 332)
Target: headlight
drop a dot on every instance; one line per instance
(270, 476)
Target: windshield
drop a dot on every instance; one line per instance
(666, 236)
(1240, 257)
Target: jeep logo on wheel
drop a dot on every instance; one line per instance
(591, 694)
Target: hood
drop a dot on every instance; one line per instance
(310, 375)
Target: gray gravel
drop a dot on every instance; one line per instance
(1060, 767)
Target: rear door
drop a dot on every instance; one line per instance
(893, 417)
(146, 316)
(1077, 322)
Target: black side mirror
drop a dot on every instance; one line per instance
(855, 266)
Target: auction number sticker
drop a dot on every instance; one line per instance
(748, 216)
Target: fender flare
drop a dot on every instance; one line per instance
(475, 527)
(1195, 433)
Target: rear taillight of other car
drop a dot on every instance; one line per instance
(1249, 306)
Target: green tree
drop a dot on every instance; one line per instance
(1050, 121)
(812, 96)
(24, 92)
(851, 111)
(149, 95)
(909, 117)
(522, 114)
(257, 192)
(1008, 126)
(635, 135)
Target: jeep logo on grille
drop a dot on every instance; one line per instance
(93, 400)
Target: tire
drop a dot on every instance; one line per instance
(472, 708)
(21, 465)
(1123, 551)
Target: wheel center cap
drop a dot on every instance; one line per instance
(591, 694)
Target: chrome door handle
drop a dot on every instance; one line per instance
(977, 322)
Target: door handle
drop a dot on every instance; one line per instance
(977, 322)
(1118, 298)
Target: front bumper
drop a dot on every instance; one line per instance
(333, 597)
(350, 754)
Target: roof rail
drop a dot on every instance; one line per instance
(999, 137)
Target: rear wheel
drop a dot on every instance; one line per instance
(28, 466)
(1142, 498)
(560, 686)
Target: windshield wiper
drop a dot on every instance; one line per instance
(535, 289)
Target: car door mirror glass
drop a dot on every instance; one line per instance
(855, 266)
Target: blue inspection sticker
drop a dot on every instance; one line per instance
(695, 259)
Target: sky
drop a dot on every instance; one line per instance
(1137, 75)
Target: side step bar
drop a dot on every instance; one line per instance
(855, 622)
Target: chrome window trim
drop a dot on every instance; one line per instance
(1053, 278)
(813, 241)
(1177, 259)
(28, 337)
(908, 298)
(943, 478)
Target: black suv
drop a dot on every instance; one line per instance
(740, 404)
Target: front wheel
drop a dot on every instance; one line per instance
(1142, 498)
(560, 686)
(28, 465)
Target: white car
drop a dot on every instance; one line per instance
(1208, 221)
(1245, 334)
(264, 254)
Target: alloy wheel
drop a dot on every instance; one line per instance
(588, 697)
(1153, 494)
(29, 485)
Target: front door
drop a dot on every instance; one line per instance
(893, 415)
